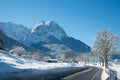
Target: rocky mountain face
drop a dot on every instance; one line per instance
(48, 37)
(10, 43)
(47, 29)
(15, 31)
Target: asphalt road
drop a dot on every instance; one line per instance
(76, 73)
(46, 75)
(92, 73)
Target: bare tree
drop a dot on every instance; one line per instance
(105, 45)
(46, 58)
(37, 56)
(83, 57)
(69, 55)
(1, 41)
(20, 51)
(61, 57)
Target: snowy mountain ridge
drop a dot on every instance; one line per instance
(42, 36)
(39, 32)
(15, 31)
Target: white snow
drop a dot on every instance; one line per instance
(39, 32)
(15, 31)
(105, 73)
(48, 28)
(13, 63)
(116, 67)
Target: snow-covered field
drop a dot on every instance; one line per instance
(13, 63)
(12, 66)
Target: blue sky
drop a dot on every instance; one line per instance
(81, 19)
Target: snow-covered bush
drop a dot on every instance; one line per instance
(20, 51)
(37, 56)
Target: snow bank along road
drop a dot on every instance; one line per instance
(44, 75)
(92, 73)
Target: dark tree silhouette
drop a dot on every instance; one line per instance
(1, 41)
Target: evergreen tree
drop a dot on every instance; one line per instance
(1, 41)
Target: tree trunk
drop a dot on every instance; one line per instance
(106, 61)
(102, 61)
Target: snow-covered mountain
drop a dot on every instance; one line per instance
(44, 30)
(39, 32)
(15, 31)
(43, 36)
(10, 43)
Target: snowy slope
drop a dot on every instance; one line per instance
(15, 31)
(9, 62)
(18, 32)
(13, 63)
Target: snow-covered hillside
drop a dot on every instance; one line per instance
(15, 31)
(16, 68)
(13, 63)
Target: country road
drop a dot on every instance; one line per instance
(76, 73)
(47, 75)
(92, 73)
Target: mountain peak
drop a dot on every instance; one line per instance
(41, 23)
(49, 28)
(48, 23)
(38, 26)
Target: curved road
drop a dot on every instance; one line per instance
(92, 73)
(76, 73)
